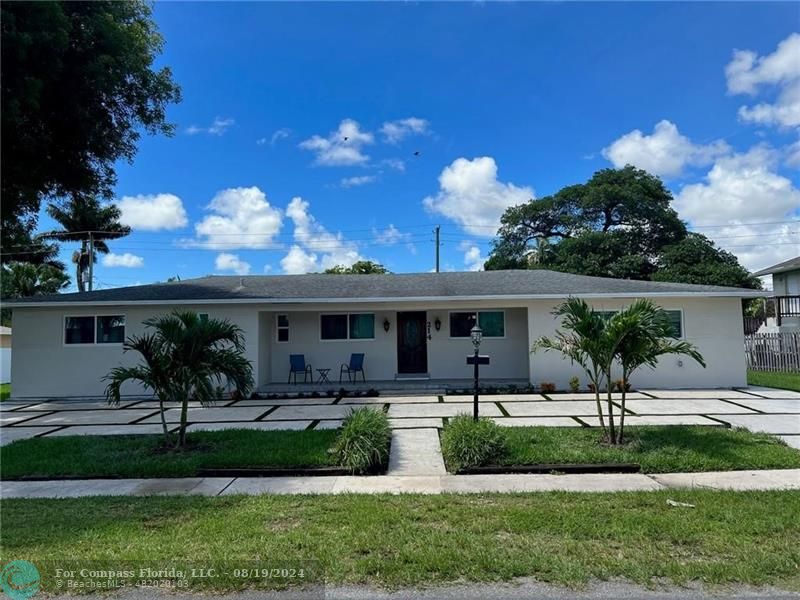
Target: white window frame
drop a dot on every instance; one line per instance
(477, 321)
(279, 327)
(348, 338)
(682, 336)
(94, 342)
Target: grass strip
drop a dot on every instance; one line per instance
(391, 541)
(146, 456)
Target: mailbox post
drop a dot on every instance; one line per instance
(476, 333)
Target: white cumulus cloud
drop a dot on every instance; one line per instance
(472, 257)
(297, 261)
(396, 131)
(342, 146)
(315, 247)
(749, 73)
(152, 212)
(127, 260)
(665, 152)
(218, 126)
(231, 262)
(243, 218)
(389, 236)
(348, 182)
(741, 190)
(471, 195)
(280, 134)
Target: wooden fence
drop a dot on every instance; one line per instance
(773, 351)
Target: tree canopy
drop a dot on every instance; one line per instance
(618, 224)
(79, 86)
(361, 267)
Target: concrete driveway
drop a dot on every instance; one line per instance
(756, 408)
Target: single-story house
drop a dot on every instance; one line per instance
(408, 326)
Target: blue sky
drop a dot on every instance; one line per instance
(501, 101)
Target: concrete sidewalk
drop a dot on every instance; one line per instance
(779, 479)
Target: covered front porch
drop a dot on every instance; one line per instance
(409, 347)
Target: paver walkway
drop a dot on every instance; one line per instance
(416, 452)
(392, 484)
(757, 408)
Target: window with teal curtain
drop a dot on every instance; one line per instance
(362, 326)
(492, 323)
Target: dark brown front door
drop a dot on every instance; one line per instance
(412, 348)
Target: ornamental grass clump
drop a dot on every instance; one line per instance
(364, 440)
(469, 443)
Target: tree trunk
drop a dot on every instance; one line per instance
(612, 438)
(596, 383)
(184, 417)
(79, 267)
(624, 391)
(163, 418)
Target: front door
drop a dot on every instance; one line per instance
(412, 349)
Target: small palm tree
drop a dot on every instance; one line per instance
(185, 358)
(84, 219)
(642, 334)
(586, 344)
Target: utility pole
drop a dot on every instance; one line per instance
(436, 231)
(91, 260)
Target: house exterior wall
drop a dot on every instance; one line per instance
(786, 284)
(44, 367)
(714, 325)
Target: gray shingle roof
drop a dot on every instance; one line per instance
(473, 285)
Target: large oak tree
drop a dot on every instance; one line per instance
(618, 224)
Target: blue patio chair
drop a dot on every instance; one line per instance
(355, 367)
(297, 364)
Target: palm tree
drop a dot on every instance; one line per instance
(23, 279)
(642, 333)
(87, 221)
(185, 358)
(586, 345)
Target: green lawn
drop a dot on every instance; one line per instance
(5, 391)
(144, 455)
(565, 538)
(662, 449)
(786, 381)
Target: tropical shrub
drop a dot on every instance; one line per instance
(470, 443)
(574, 384)
(362, 445)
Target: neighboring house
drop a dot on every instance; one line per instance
(785, 297)
(409, 326)
(5, 354)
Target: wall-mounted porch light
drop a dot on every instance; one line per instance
(386, 325)
(437, 323)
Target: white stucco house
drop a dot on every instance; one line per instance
(409, 326)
